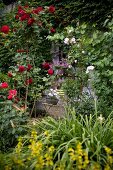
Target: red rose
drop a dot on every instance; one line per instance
(37, 10)
(46, 65)
(13, 93)
(29, 81)
(52, 30)
(19, 8)
(10, 97)
(17, 17)
(30, 21)
(22, 51)
(26, 6)
(21, 68)
(5, 29)
(21, 12)
(51, 9)
(50, 71)
(29, 67)
(4, 85)
(10, 74)
(24, 17)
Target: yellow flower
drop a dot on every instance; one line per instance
(51, 149)
(34, 134)
(86, 161)
(40, 163)
(95, 166)
(7, 167)
(49, 159)
(19, 145)
(110, 159)
(46, 133)
(107, 167)
(108, 150)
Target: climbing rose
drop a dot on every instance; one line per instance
(46, 65)
(17, 17)
(10, 97)
(21, 12)
(29, 81)
(51, 9)
(30, 21)
(24, 17)
(13, 92)
(4, 85)
(21, 68)
(22, 51)
(52, 30)
(5, 29)
(37, 10)
(10, 74)
(29, 67)
(50, 71)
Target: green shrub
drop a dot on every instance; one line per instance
(11, 126)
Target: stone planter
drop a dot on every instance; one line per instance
(51, 100)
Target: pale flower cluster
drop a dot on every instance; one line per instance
(53, 93)
(69, 41)
(89, 68)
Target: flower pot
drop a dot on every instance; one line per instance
(51, 100)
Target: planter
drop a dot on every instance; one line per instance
(51, 100)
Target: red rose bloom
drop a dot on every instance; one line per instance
(4, 85)
(30, 21)
(29, 81)
(26, 6)
(10, 74)
(52, 30)
(22, 51)
(37, 10)
(21, 12)
(29, 67)
(5, 29)
(50, 71)
(10, 97)
(21, 68)
(17, 17)
(13, 92)
(24, 17)
(46, 65)
(19, 8)
(51, 9)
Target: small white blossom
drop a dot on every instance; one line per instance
(83, 52)
(73, 41)
(89, 68)
(69, 31)
(70, 66)
(66, 40)
(100, 118)
(75, 61)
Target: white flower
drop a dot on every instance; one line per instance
(69, 31)
(89, 68)
(66, 40)
(73, 41)
(83, 52)
(100, 118)
(75, 61)
(70, 66)
(50, 94)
